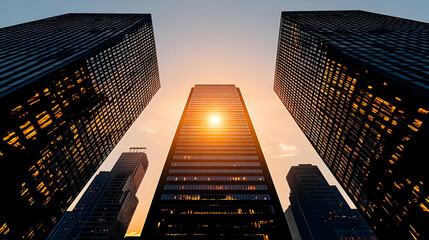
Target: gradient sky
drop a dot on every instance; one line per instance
(215, 41)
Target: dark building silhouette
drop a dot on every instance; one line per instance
(215, 183)
(107, 206)
(357, 85)
(70, 87)
(319, 211)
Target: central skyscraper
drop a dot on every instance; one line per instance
(215, 183)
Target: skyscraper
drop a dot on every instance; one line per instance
(215, 183)
(107, 206)
(70, 87)
(357, 85)
(319, 210)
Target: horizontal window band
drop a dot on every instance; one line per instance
(216, 197)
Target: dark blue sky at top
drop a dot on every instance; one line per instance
(19, 11)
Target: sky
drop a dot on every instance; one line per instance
(212, 41)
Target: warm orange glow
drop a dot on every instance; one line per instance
(214, 120)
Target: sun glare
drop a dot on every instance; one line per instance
(214, 120)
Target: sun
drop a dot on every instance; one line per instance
(214, 120)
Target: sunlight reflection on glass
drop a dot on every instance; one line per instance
(214, 120)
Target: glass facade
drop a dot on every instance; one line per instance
(70, 87)
(357, 85)
(107, 206)
(215, 183)
(319, 211)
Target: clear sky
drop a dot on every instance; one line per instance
(212, 41)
